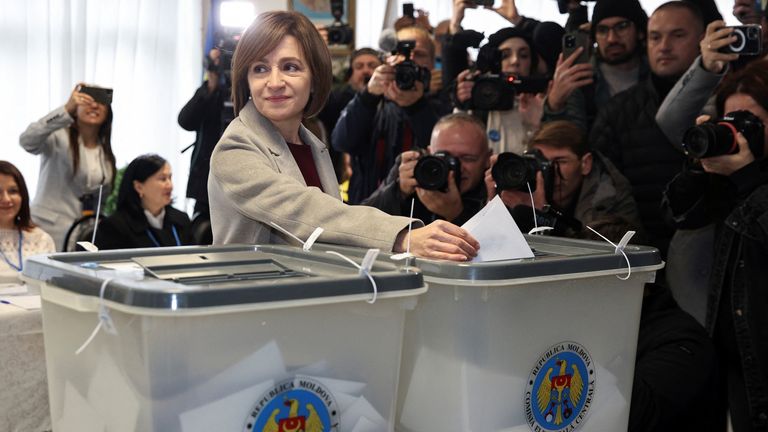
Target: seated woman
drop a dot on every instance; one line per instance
(144, 216)
(19, 237)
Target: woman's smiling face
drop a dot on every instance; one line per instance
(281, 83)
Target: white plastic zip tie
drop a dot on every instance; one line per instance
(105, 320)
(407, 253)
(364, 267)
(96, 221)
(619, 249)
(88, 246)
(312, 238)
(536, 229)
(306, 245)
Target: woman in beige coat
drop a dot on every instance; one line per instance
(268, 168)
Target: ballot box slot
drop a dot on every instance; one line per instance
(199, 268)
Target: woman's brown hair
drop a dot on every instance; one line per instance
(105, 139)
(23, 220)
(263, 36)
(752, 81)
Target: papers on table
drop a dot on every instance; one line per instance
(498, 234)
(12, 288)
(28, 302)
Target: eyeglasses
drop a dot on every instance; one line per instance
(619, 28)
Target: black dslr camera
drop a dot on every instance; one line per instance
(718, 138)
(431, 171)
(226, 45)
(495, 90)
(514, 172)
(338, 32)
(408, 73)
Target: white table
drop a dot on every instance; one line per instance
(23, 384)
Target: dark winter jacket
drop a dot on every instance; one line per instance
(123, 230)
(366, 120)
(738, 298)
(204, 114)
(626, 132)
(675, 370)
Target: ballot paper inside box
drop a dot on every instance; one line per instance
(473, 342)
(297, 342)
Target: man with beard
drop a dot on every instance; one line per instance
(625, 129)
(618, 27)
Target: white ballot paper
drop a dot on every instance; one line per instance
(498, 234)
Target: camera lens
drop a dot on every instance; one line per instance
(709, 139)
(431, 173)
(513, 172)
(570, 41)
(740, 42)
(752, 33)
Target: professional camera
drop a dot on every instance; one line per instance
(494, 90)
(431, 171)
(719, 137)
(408, 73)
(226, 45)
(515, 172)
(338, 32)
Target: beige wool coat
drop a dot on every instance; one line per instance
(254, 180)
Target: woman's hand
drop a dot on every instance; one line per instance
(76, 99)
(729, 164)
(439, 240)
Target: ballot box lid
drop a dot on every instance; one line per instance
(197, 277)
(553, 257)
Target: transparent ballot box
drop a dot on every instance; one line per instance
(544, 344)
(234, 338)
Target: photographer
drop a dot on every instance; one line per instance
(573, 186)
(579, 89)
(458, 140)
(730, 190)
(391, 115)
(511, 119)
(206, 115)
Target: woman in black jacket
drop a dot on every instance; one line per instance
(731, 192)
(144, 216)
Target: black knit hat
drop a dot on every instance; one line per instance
(547, 38)
(629, 9)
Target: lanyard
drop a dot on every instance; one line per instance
(157, 243)
(19, 267)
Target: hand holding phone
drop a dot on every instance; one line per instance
(749, 40)
(572, 41)
(99, 94)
